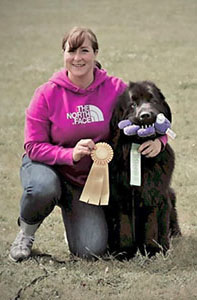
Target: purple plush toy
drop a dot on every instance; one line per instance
(161, 126)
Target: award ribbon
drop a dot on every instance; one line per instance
(96, 189)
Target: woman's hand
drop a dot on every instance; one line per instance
(83, 148)
(150, 148)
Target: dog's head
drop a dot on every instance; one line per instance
(145, 102)
(140, 104)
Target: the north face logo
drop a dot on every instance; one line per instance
(86, 114)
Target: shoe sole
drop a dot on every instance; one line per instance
(12, 259)
(17, 260)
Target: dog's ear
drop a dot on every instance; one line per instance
(161, 96)
(167, 112)
(121, 107)
(131, 88)
(119, 113)
(167, 109)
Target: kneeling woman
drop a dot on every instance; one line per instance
(66, 117)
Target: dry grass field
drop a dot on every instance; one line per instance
(139, 39)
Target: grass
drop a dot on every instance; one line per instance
(139, 40)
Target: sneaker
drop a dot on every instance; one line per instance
(21, 247)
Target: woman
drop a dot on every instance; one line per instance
(66, 117)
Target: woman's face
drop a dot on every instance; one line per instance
(80, 62)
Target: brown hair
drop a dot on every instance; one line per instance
(76, 37)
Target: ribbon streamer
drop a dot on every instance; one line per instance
(96, 189)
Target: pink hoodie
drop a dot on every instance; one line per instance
(60, 114)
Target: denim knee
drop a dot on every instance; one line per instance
(86, 228)
(42, 191)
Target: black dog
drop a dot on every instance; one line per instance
(151, 206)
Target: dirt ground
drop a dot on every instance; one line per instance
(139, 40)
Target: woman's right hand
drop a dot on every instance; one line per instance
(83, 148)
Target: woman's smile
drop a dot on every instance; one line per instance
(78, 65)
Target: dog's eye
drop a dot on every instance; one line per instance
(134, 98)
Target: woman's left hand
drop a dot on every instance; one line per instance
(150, 148)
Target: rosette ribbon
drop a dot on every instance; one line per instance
(96, 188)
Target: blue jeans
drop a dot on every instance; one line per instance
(43, 188)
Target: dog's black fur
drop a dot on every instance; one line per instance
(150, 207)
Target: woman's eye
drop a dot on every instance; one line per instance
(71, 51)
(85, 50)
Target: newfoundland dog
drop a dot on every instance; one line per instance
(151, 206)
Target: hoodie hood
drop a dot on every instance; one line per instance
(61, 78)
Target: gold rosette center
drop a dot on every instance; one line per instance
(103, 153)
(96, 189)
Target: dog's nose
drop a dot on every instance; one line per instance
(145, 115)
